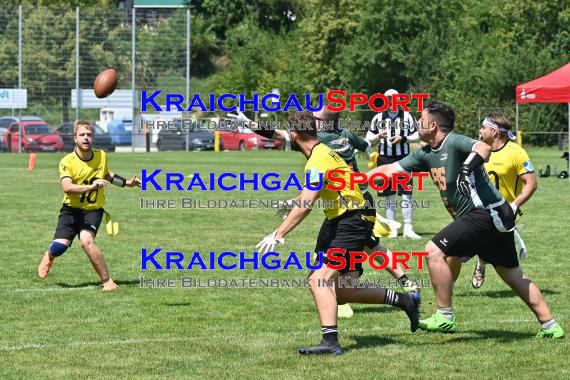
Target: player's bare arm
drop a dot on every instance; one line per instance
(388, 170)
(529, 187)
(71, 188)
(297, 214)
(482, 150)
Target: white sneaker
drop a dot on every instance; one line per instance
(409, 233)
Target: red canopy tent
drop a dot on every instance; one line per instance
(551, 88)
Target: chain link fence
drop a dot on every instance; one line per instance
(49, 52)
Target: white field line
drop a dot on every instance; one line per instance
(51, 289)
(122, 342)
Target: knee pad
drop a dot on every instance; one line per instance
(57, 249)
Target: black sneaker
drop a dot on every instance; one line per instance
(413, 310)
(324, 348)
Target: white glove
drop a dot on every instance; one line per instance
(284, 207)
(269, 243)
(514, 207)
(240, 117)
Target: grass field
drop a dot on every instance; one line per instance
(63, 327)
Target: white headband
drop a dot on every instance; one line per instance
(491, 124)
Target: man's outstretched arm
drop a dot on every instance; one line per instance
(117, 180)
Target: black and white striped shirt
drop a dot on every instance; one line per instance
(403, 124)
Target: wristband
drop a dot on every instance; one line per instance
(472, 161)
(117, 180)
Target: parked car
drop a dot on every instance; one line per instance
(245, 139)
(102, 140)
(175, 139)
(121, 131)
(5, 122)
(36, 136)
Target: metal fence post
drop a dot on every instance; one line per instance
(78, 92)
(20, 11)
(187, 72)
(133, 71)
(20, 46)
(187, 59)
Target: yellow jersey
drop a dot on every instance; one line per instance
(504, 168)
(85, 173)
(321, 160)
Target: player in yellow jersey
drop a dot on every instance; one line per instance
(344, 228)
(510, 170)
(83, 175)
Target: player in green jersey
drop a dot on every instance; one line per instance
(483, 221)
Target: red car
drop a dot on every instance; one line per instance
(37, 136)
(246, 139)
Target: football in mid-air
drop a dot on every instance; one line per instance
(105, 83)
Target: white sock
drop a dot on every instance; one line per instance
(548, 324)
(407, 211)
(391, 210)
(447, 312)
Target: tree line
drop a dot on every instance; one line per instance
(469, 53)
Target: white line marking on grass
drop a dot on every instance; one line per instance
(53, 289)
(86, 343)
(121, 342)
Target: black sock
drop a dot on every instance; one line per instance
(330, 334)
(402, 281)
(339, 302)
(401, 300)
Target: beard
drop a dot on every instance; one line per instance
(295, 146)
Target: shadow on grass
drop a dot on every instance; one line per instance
(369, 341)
(94, 283)
(500, 293)
(180, 304)
(501, 336)
(376, 309)
(426, 234)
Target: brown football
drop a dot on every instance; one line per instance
(105, 83)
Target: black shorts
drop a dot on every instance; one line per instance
(350, 231)
(74, 220)
(384, 160)
(475, 234)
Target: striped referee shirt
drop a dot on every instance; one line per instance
(403, 124)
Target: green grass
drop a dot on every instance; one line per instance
(73, 331)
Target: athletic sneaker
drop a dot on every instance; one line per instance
(410, 286)
(344, 311)
(45, 265)
(413, 310)
(478, 276)
(410, 234)
(555, 331)
(438, 323)
(323, 348)
(110, 286)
